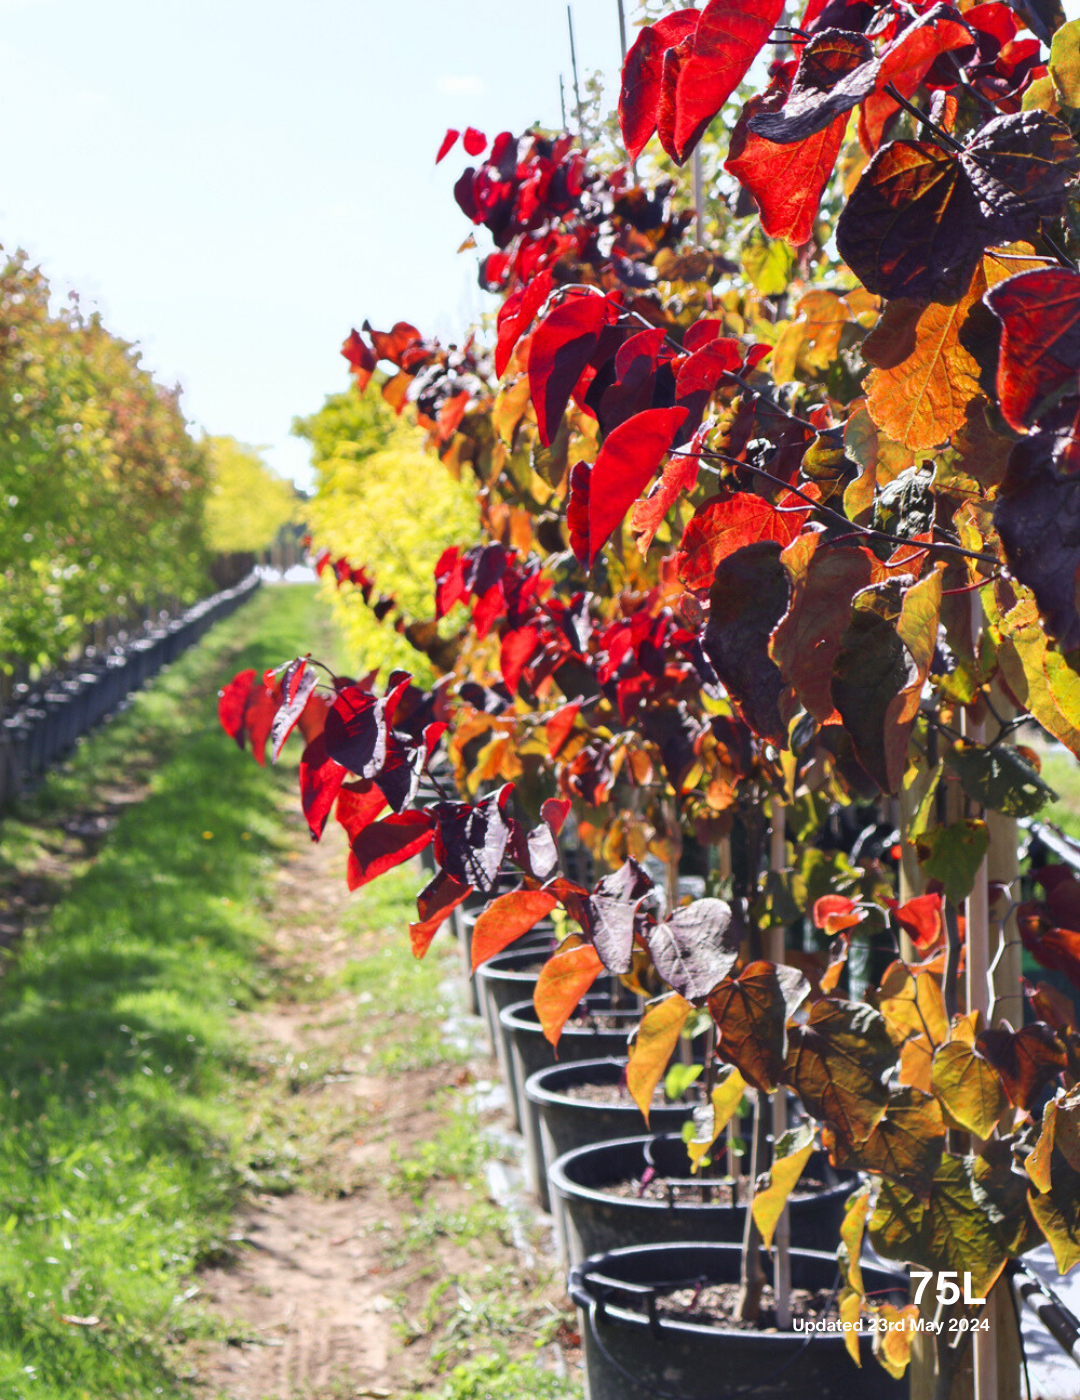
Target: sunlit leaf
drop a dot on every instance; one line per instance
(655, 1042)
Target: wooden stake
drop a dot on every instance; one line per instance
(775, 952)
(699, 199)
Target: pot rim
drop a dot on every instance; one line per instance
(538, 1092)
(487, 970)
(517, 1016)
(567, 1188)
(585, 1300)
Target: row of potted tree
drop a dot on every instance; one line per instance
(777, 559)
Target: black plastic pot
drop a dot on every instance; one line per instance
(501, 981)
(567, 1123)
(543, 931)
(530, 1051)
(632, 1353)
(592, 1219)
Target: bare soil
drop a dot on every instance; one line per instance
(321, 1299)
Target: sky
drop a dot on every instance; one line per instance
(236, 183)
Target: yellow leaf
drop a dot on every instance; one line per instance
(850, 1312)
(656, 1039)
(851, 1235)
(912, 1004)
(769, 1203)
(892, 1344)
(968, 1087)
(718, 1112)
(917, 1063)
(1065, 63)
(1037, 1162)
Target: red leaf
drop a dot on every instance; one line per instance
(298, 681)
(904, 64)
(450, 585)
(362, 363)
(320, 781)
(312, 719)
(554, 811)
(639, 95)
(727, 523)
(921, 919)
(1040, 340)
(382, 845)
(392, 344)
(729, 36)
(358, 806)
(559, 726)
(439, 896)
(355, 732)
(516, 316)
(703, 369)
(506, 919)
(515, 653)
(262, 706)
(232, 704)
(679, 475)
(561, 347)
(835, 912)
(786, 180)
(447, 144)
(563, 981)
(577, 510)
(474, 141)
(626, 463)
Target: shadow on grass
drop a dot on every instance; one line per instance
(117, 1130)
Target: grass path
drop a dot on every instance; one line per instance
(212, 1058)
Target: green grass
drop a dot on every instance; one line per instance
(496, 1377)
(405, 1000)
(118, 1169)
(1062, 771)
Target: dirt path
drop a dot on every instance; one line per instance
(349, 1285)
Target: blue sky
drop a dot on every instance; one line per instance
(234, 183)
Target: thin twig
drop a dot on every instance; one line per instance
(865, 531)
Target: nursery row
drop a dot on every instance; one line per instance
(652, 1235)
(773, 563)
(45, 719)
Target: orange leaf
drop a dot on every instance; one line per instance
(507, 918)
(919, 393)
(564, 980)
(920, 918)
(835, 912)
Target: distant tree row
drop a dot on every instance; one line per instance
(108, 505)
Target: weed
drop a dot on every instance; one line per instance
(496, 1377)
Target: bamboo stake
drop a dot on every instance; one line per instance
(573, 64)
(774, 952)
(734, 1156)
(978, 990)
(699, 198)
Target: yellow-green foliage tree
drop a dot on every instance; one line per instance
(385, 504)
(247, 503)
(102, 486)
